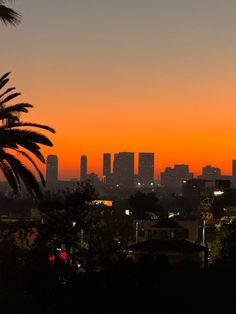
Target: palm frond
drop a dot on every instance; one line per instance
(9, 175)
(6, 142)
(7, 91)
(9, 119)
(10, 97)
(9, 16)
(4, 82)
(34, 164)
(36, 125)
(22, 136)
(18, 108)
(24, 173)
(4, 76)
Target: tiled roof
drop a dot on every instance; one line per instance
(167, 223)
(156, 245)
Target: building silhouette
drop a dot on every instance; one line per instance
(83, 168)
(234, 171)
(106, 168)
(173, 178)
(123, 170)
(51, 170)
(210, 173)
(146, 169)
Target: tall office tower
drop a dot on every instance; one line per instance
(210, 173)
(52, 170)
(107, 168)
(83, 168)
(115, 174)
(146, 168)
(123, 169)
(234, 171)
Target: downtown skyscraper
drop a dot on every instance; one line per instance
(146, 169)
(234, 171)
(106, 168)
(123, 170)
(51, 170)
(83, 168)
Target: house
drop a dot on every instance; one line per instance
(167, 238)
(176, 252)
(166, 228)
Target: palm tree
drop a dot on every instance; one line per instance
(17, 141)
(8, 15)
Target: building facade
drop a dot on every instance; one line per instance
(173, 178)
(123, 170)
(83, 168)
(210, 173)
(234, 172)
(107, 168)
(146, 169)
(51, 170)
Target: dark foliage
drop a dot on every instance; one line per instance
(144, 202)
(8, 15)
(16, 140)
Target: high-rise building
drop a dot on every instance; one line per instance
(173, 178)
(234, 171)
(123, 169)
(107, 168)
(210, 173)
(51, 170)
(146, 168)
(83, 168)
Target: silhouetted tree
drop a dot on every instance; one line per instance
(64, 215)
(88, 232)
(144, 202)
(16, 139)
(228, 251)
(8, 15)
(223, 248)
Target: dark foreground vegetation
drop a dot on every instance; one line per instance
(95, 274)
(121, 288)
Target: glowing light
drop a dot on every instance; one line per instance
(127, 212)
(62, 256)
(102, 202)
(217, 193)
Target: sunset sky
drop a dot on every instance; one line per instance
(128, 75)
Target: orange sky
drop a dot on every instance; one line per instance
(113, 77)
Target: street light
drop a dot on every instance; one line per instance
(136, 232)
(206, 204)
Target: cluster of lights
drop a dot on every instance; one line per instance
(62, 256)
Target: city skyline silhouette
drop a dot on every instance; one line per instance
(129, 76)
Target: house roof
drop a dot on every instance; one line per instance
(167, 223)
(157, 245)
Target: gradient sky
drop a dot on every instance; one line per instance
(128, 75)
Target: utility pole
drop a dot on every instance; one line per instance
(206, 206)
(204, 230)
(136, 232)
(81, 238)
